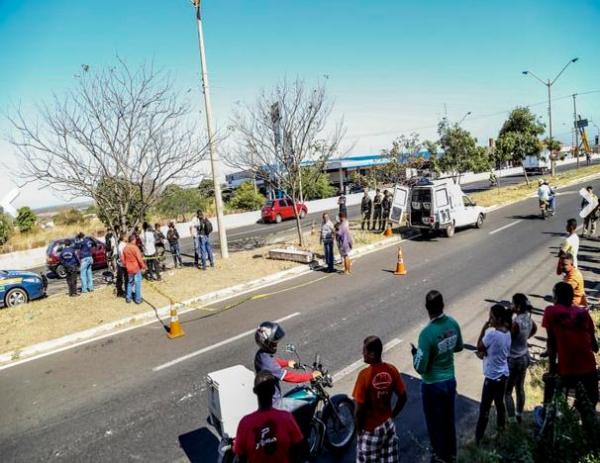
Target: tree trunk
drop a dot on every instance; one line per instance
(298, 225)
(525, 172)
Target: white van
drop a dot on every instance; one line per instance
(537, 164)
(435, 205)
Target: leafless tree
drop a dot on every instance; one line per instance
(285, 130)
(119, 137)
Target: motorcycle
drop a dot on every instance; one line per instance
(323, 419)
(544, 209)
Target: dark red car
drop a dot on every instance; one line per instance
(55, 247)
(282, 209)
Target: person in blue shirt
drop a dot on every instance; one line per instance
(69, 260)
(85, 245)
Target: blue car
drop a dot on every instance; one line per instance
(17, 287)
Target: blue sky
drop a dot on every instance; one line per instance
(392, 65)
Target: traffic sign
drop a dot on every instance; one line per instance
(581, 123)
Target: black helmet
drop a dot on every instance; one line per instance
(267, 335)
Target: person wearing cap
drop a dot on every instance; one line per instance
(269, 435)
(544, 193)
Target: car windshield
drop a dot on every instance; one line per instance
(49, 248)
(269, 204)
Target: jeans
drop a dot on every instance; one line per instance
(516, 380)
(328, 247)
(176, 253)
(493, 391)
(85, 271)
(438, 406)
(552, 203)
(72, 280)
(134, 280)
(205, 251)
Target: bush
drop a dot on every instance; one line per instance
(6, 228)
(26, 219)
(246, 198)
(176, 201)
(69, 217)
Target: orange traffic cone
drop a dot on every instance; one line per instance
(175, 329)
(400, 267)
(388, 231)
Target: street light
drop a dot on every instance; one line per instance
(214, 161)
(464, 117)
(549, 83)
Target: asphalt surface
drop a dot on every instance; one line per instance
(107, 401)
(260, 234)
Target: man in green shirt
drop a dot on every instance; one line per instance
(434, 361)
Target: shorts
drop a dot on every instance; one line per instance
(379, 445)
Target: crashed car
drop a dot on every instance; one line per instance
(18, 287)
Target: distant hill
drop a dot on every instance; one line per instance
(51, 210)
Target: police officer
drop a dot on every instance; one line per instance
(69, 260)
(376, 210)
(365, 209)
(386, 206)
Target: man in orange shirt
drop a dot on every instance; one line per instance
(134, 263)
(377, 440)
(574, 277)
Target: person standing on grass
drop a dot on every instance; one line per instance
(386, 206)
(69, 260)
(205, 228)
(570, 245)
(149, 244)
(365, 210)
(134, 263)
(85, 246)
(326, 237)
(574, 277)
(344, 241)
(122, 277)
(571, 344)
(375, 386)
(159, 243)
(493, 346)
(376, 223)
(173, 239)
(523, 327)
(269, 435)
(434, 361)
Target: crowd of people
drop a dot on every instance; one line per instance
(502, 346)
(134, 253)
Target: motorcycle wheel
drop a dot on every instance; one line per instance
(339, 424)
(315, 437)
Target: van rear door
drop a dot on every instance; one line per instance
(399, 203)
(442, 205)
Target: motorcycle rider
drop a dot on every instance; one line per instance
(544, 194)
(493, 178)
(267, 336)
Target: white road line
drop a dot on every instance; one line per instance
(493, 232)
(356, 365)
(216, 346)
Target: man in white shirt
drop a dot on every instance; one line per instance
(149, 242)
(194, 227)
(571, 243)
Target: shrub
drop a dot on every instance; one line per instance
(69, 217)
(246, 198)
(6, 228)
(26, 219)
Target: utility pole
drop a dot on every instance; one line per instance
(214, 161)
(576, 150)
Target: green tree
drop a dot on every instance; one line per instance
(518, 138)
(69, 217)
(315, 184)
(26, 219)
(460, 152)
(246, 198)
(6, 227)
(177, 201)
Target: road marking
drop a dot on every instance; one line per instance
(356, 365)
(505, 227)
(217, 345)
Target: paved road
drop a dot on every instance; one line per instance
(107, 401)
(256, 235)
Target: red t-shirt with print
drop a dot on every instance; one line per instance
(374, 388)
(573, 329)
(266, 436)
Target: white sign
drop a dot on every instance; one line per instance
(6, 203)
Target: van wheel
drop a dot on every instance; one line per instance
(479, 222)
(450, 230)
(278, 218)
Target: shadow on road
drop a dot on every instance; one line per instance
(200, 445)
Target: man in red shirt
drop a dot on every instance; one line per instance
(571, 341)
(269, 435)
(134, 264)
(377, 440)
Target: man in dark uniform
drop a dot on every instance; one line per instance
(376, 210)
(386, 206)
(365, 209)
(69, 260)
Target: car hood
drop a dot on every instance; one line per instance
(18, 273)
